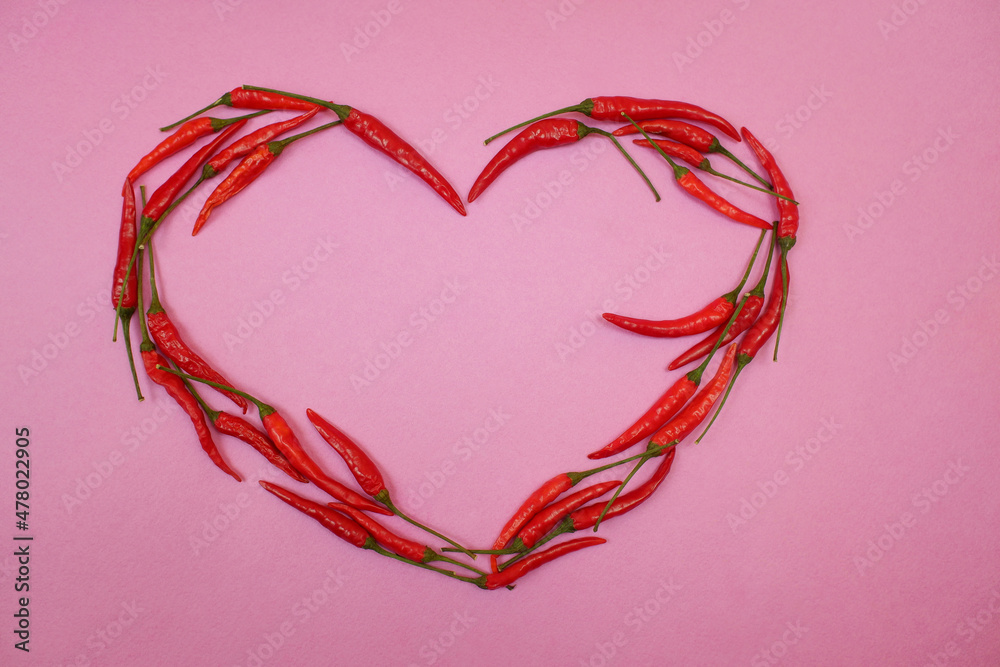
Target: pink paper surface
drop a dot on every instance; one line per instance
(842, 510)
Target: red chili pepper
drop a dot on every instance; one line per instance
(168, 339)
(185, 135)
(753, 302)
(245, 144)
(546, 520)
(511, 574)
(546, 133)
(240, 98)
(612, 108)
(252, 166)
(544, 495)
(338, 524)
(245, 431)
(689, 135)
(164, 195)
(377, 135)
(586, 517)
(365, 471)
(695, 412)
(124, 285)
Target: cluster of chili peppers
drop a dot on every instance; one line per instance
(548, 512)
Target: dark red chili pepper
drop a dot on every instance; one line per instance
(185, 135)
(715, 313)
(546, 520)
(694, 413)
(124, 285)
(245, 144)
(689, 135)
(377, 135)
(252, 166)
(612, 108)
(546, 133)
(586, 517)
(511, 574)
(338, 524)
(168, 339)
(164, 195)
(240, 98)
(753, 302)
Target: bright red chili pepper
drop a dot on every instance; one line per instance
(245, 144)
(365, 471)
(586, 517)
(612, 108)
(252, 166)
(511, 574)
(245, 431)
(697, 189)
(338, 524)
(185, 135)
(788, 222)
(679, 151)
(168, 339)
(124, 284)
(240, 98)
(164, 195)
(695, 412)
(544, 495)
(546, 520)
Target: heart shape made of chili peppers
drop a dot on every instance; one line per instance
(548, 512)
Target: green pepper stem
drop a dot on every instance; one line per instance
(479, 581)
(263, 407)
(225, 100)
(721, 150)
(447, 559)
(564, 526)
(570, 109)
(126, 325)
(614, 497)
(731, 297)
(706, 166)
(387, 501)
(678, 170)
(628, 157)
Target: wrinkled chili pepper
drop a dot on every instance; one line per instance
(546, 133)
(239, 98)
(124, 286)
(168, 339)
(711, 316)
(245, 144)
(689, 135)
(185, 135)
(365, 471)
(511, 574)
(252, 166)
(752, 303)
(612, 108)
(694, 413)
(545, 520)
(157, 369)
(378, 135)
(343, 527)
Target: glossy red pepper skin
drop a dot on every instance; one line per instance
(714, 314)
(663, 409)
(285, 440)
(743, 322)
(365, 471)
(690, 135)
(509, 575)
(697, 189)
(767, 323)
(544, 495)
(788, 222)
(400, 546)
(168, 340)
(546, 133)
(694, 413)
(126, 245)
(184, 136)
(241, 429)
(547, 519)
(586, 517)
(177, 391)
(164, 195)
(245, 144)
(252, 166)
(378, 135)
(338, 524)
(677, 150)
(611, 108)
(240, 98)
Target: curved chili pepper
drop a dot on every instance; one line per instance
(338, 524)
(511, 574)
(752, 303)
(694, 413)
(689, 135)
(185, 135)
(124, 285)
(586, 517)
(240, 98)
(245, 144)
(378, 135)
(168, 339)
(612, 108)
(541, 497)
(545, 520)
(252, 166)
(546, 133)
(164, 195)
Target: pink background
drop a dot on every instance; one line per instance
(879, 546)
